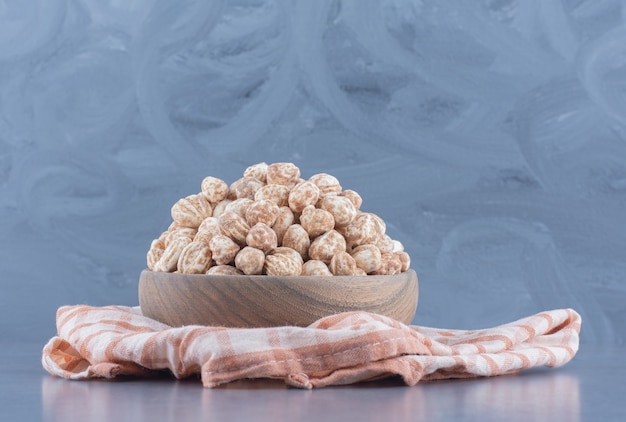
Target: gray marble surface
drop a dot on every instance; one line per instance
(490, 136)
(589, 388)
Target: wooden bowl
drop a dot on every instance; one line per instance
(267, 301)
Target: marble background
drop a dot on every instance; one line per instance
(489, 134)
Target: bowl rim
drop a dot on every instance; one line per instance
(372, 277)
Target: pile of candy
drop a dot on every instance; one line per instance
(271, 221)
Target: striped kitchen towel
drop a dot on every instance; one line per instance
(104, 342)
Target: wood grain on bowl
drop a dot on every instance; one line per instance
(266, 301)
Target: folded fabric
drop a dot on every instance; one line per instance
(104, 342)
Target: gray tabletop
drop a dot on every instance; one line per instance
(589, 388)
